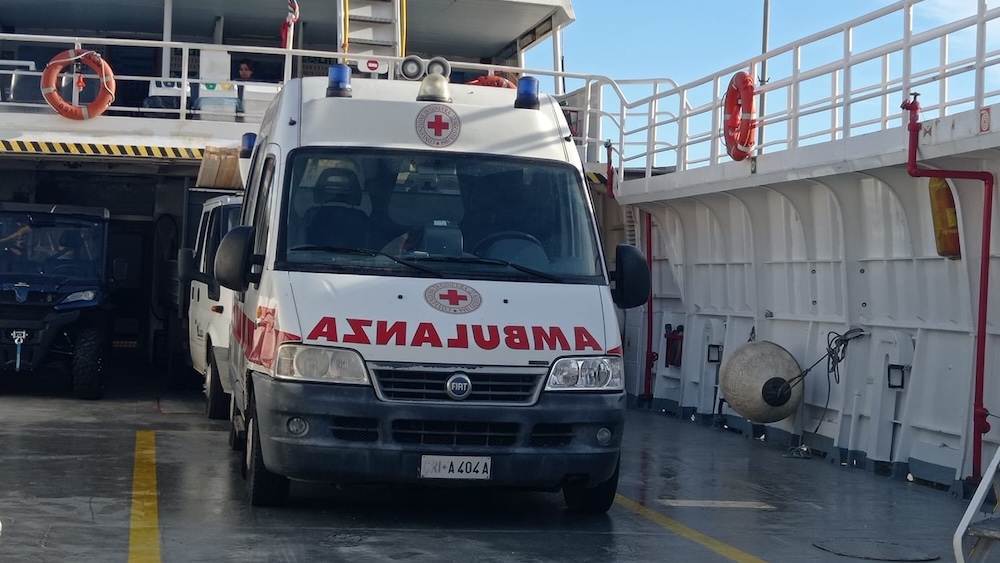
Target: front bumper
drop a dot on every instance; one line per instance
(353, 437)
(41, 340)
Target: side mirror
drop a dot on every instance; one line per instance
(234, 259)
(185, 264)
(119, 269)
(631, 277)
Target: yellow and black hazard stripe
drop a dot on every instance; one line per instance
(95, 149)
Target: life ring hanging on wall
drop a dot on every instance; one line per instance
(105, 95)
(492, 80)
(741, 116)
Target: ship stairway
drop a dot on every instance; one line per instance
(373, 27)
(979, 530)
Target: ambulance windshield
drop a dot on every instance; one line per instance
(454, 215)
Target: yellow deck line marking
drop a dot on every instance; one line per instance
(144, 528)
(685, 532)
(678, 503)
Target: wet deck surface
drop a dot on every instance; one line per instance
(68, 484)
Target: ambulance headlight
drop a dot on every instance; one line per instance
(325, 365)
(602, 373)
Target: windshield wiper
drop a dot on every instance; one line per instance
(365, 252)
(495, 261)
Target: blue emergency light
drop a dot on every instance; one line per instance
(527, 93)
(247, 144)
(340, 82)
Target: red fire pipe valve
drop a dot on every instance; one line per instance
(913, 106)
(982, 425)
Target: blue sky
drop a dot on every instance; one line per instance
(689, 39)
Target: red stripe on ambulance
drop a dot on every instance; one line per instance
(484, 337)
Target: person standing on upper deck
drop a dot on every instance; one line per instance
(245, 70)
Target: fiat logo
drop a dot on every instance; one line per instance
(458, 386)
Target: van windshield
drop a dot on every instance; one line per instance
(410, 213)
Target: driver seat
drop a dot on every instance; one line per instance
(340, 219)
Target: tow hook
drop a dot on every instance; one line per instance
(18, 336)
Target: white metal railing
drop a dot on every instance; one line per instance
(849, 92)
(657, 124)
(974, 510)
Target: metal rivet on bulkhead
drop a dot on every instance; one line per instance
(814, 271)
(505, 301)
(862, 270)
(814, 301)
(864, 303)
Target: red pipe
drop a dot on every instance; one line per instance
(980, 425)
(650, 353)
(611, 173)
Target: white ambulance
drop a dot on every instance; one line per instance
(421, 296)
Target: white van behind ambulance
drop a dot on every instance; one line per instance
(209, 310)
(421, 297)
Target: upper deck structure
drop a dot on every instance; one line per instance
(175, 61)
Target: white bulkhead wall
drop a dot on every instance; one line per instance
(797, 260)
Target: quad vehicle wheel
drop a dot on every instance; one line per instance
(263, 487)
(216, 399)
(88, 364)
(592, 500)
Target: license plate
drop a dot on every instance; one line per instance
(455, 467)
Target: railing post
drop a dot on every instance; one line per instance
(185, 55)
(682, 133)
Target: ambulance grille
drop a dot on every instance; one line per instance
(489, 385)
(355, 429)
(455, 433)
(551, 435)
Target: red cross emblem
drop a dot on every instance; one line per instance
(438, 125)
(453, 297)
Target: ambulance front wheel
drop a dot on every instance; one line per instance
(592, 500)
(264, 488)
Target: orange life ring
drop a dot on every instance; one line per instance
(741, 116)
(492, 80)
(104, 96)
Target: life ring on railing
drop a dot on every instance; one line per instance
(492, 80)
(104, 96)
(741, 116)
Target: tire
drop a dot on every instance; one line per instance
(263, 487)
(216, 399)
(592, 500)
(88, 364)
(237, 439)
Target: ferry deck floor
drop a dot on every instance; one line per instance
(144, 476)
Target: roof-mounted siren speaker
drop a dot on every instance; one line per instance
(413, 68)
(439, 65)
(761, 381)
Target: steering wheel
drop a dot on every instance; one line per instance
(74, 268)
(505, 235)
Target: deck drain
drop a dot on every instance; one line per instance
(874, 550)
